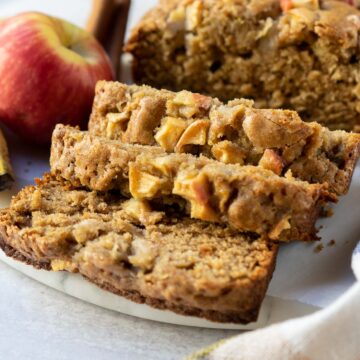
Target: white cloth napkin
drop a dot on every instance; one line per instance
(330, 334)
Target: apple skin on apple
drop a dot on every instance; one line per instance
(48, 72)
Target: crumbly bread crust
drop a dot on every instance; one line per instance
(247, 197)
(234, 132)
(169, 262)
(306, 58)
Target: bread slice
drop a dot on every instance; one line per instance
(164, 260)
(304, 57)
(248, 198)
(234, 133)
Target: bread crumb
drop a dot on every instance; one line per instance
(331, 242)
(318, 248)
(326, 212)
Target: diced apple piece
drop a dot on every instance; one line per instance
(195, 188)
(187, 104)
(163, 165)
(195, 134)
(271, 160)
(85, 230)
(143, 185)
(228, 153)
(61, 265)
(176, 20)
(287, 5)
(144, 254)
(193, 15)
(282, 225)
(142, 212)
(36, 200)
(118, 117)
(170, 132)
(116, 122)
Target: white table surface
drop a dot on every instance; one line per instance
(40, 323)
(37, 322)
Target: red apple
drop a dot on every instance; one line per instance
(48, 72)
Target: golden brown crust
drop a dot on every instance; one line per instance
(306, 58)
(232, 133)
(16, 255)
(249, 198)
(172, 265)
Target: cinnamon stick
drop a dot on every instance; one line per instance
(107, 22)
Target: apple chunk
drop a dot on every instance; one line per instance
(48, 72)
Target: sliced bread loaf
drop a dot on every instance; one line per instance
(164, 260)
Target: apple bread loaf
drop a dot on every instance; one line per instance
(302, 56)
(234, 132)
(249, 198)
(164, 260)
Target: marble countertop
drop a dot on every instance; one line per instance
(37, 322)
